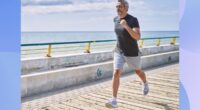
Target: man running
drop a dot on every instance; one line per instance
(128, 32)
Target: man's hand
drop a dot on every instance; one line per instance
(124, 24)
(135, 32)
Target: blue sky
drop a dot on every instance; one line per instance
(96, 15)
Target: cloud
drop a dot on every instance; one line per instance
(141, 7)
(37, 14)
(63, 6)
(59, 6)
(44, 2)
(67, 8)
(60, 2)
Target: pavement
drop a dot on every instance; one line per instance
(163, 95)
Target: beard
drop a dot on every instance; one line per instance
(119, 12)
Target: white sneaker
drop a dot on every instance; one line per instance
(111, 103)
(146, 88)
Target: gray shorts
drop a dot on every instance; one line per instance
(120, 59)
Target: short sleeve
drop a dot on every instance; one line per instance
(135, 23)
(114, 19)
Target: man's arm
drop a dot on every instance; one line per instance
(134, 32)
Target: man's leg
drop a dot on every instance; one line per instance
(118, 64)
(116, 82)
(142, 76)
(115, 86)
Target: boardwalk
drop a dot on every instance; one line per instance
(164, 94)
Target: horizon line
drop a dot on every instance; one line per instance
(91, 31)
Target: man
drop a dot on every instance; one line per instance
(128, 32)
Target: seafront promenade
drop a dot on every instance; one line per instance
(82, 81)
(163, 95)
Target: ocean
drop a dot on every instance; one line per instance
(44, 37)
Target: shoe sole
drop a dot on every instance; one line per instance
(110, 106)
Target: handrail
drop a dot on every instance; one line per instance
(81, 42)
(58, 43)
(88, 46)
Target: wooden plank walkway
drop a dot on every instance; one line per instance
(163, 95)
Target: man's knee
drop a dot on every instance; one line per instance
(117, 73)
(139, 71)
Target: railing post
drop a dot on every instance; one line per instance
(173, 42)
(158, 42)
(87, 49)
(49, 51)
(141, 43)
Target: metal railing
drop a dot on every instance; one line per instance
(76, 45)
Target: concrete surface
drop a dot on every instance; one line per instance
(57, 79)
(36, 65)
(163, 95)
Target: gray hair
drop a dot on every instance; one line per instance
(125, 2)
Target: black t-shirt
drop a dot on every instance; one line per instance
(125, 43)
